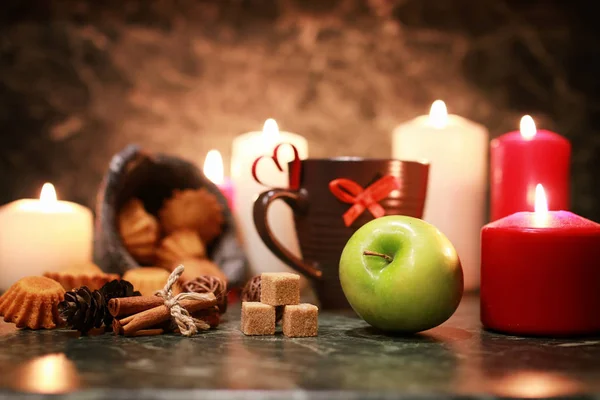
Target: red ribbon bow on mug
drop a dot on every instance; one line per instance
(295, 166)
(351, 192)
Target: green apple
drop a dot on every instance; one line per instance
(401, 274)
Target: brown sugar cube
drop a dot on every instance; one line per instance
(300, 320)
(280, 288)
(258, 318)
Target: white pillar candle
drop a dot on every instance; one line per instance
(457, 151)
(42, 235)
(247, 148)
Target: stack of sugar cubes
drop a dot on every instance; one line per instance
(280, 289)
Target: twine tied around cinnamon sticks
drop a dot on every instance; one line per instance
(188, 326)
(147, 315)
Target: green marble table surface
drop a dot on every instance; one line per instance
(348, 360)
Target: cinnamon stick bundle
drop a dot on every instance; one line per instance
(159, 314)
(132, 305)
(210, 315)
(117, 327)
(118, 330)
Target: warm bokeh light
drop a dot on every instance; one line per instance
(270, 129)
(48, 194)
(533, 384)
(541, 203)
(213, 167)
(438, 114)
(50, 374)
(527, 127)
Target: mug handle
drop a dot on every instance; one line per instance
(298, 202)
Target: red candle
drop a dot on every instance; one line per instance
(540, 273)
(213, 169)
(522, 159)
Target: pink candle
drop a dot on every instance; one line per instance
(227, 189)
(522, 159)
(213, 169)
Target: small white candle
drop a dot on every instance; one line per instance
(247, 148)
(457, 151)
(40, 235)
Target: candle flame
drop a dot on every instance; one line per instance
(270, 129)
(438, 115)
(213, 167)
(541, 203)
(528, 129)
(48, 194)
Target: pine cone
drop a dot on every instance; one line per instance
(209, 284)
(251, 292)
(83, 309)
(114, 290)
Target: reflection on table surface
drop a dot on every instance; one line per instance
(455, 358)
(49, 374)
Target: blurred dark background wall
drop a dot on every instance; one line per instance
(81, 79)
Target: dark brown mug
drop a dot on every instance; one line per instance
(319, 214)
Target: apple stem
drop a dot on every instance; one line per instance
(374, 253)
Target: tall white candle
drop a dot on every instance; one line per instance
(457, 151)
(247, 148)
(42, 235)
